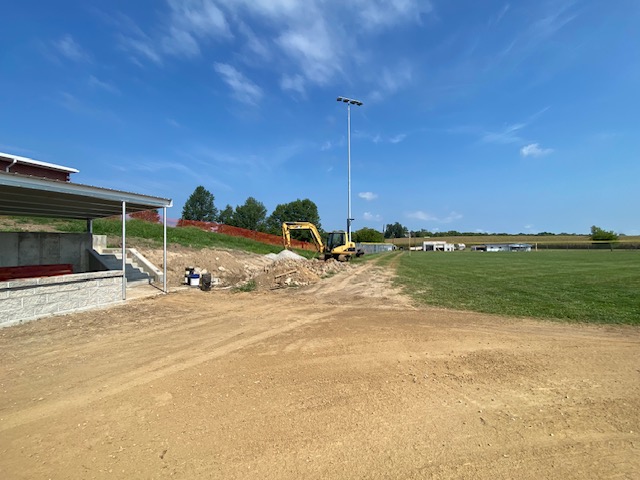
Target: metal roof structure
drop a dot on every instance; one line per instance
(41, 197)
(33, 196)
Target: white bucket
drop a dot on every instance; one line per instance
(194, 280)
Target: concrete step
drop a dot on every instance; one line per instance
(135, 258)
(133, 273)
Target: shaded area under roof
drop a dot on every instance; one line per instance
(40, 197)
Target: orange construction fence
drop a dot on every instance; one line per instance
(243, 232)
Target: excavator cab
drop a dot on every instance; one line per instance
(336, 239)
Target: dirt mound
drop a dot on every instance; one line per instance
(230, 268)
(295, 272)
(227, 267)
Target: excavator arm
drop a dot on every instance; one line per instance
(315, 234)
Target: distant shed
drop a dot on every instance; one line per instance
(507, 247)
(370, 247)
(438, 246)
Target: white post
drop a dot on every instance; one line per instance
(349, 101)
(124, 251)
(349, 171)
(164, 261)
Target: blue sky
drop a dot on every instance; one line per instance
(495, 116)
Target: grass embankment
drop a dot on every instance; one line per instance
(580, 286)
(146, 233)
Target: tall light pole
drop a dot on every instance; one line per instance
(349, 102)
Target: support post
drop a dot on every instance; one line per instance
(164, 258)
(89, 225)
(124, 250)
(349, 171)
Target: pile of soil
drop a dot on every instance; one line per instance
(230, 268)
(292, 272)
(227, 267)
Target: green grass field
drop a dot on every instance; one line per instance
(579, 286)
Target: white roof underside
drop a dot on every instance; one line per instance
(41, 197)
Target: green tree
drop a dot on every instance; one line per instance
(226, 215)
(200, 206)
(395, 230)
(367, 235)
(297, 211)
(422, 233)
(251, 215)
(598, 233)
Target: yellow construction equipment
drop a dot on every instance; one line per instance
(337, 245)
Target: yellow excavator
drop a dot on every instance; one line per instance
(337, 245)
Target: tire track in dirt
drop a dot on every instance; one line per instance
(368, 284)
(193, 349)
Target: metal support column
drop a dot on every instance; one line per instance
(164, 258)
(124, 250)
(349, 171)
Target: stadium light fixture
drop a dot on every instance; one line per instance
(349, 102)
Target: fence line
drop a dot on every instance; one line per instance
(242, 232)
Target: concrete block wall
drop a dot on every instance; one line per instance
(27, 299)
(44, 248)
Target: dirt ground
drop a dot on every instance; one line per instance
(342, 378)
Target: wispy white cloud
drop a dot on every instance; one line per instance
(294, 83)
(149, 167)
(306, 42)
(534, 150)
(368, 196)
(173, 123)
(377, 14)
(314, 50)
(140, 47)
(508, 134)
(503, 11)
(553, 21)
(243, 89)
(78, 106)
(186, 26)
(254, 45)
(427, 217)
(378, 138)
(102, 85)
(398, 138)
(328, 145)
(371, 217)
(391, 81)
(192, 22)
(68, 48)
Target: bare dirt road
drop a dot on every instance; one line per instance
(341, 379)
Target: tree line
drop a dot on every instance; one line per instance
(397, 230)
(252, 215)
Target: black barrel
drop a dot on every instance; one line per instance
(205, 282)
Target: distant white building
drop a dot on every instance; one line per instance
(507, 247)
(438, 246)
